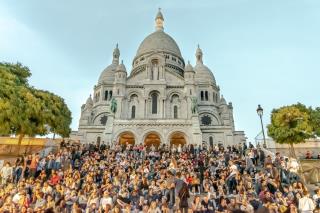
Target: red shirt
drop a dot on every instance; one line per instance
(55, 179)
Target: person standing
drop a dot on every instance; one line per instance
(183, 197)
(6, 173)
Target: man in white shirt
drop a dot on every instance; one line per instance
(6, 173)
(306, 204)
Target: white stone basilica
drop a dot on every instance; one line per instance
(162, 101)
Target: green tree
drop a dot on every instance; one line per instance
(25, 110)
(292, 125)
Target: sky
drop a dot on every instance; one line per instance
(260, 52)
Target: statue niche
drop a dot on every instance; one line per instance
(154, 72)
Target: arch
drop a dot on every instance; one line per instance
(177, 138)
(201, 94)
(125, 138)
(100, 118)
(152, 138)
(206, 95)
(213, 115)
(133, 97)
(133, 92)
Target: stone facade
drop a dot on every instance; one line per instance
(163, 100)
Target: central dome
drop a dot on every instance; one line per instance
(159, 41)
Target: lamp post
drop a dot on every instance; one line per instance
(260, 113)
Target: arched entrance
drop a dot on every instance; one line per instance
(177, 138)
(152, 139)
(126, 138)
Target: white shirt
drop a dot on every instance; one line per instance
(306, 205)
(16, 198)
(294, 166)
(106, 200)
(6, 171)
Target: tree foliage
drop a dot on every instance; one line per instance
(294, 124)
(25, 110)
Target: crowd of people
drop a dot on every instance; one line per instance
(98, 179)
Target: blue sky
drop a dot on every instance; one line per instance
(261, 52)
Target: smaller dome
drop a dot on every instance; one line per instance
(121, 67)
(204, 74)
(89, 102)
(108, 74)
(188, 67)
(222, 101)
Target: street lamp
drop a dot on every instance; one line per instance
(260, 113)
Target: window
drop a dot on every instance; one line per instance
(110, 95)
(106, 95)
(103, 120)
(118, 91)
(133, 112)
(211, 141)
(97, 96)
(201, 95)
(154, 99)
(206, 120)
(206, 95)
(175, 112)
(190, 92)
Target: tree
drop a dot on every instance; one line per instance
(25, 110)
(293, 124)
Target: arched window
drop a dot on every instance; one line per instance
(211, 141)
(110, 95)
(133, 112)
(154, 100)
(206, 95)
(106, 95)
(201, 95)
(175, 112)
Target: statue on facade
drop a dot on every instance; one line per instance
(194, 106)
(113, 105)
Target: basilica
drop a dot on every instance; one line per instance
(162, 100)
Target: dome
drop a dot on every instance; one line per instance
(108, 74)
(89, 103)
(121, 67)
(223, 101)
(204, 74)
(188, 67)
(158, 41)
